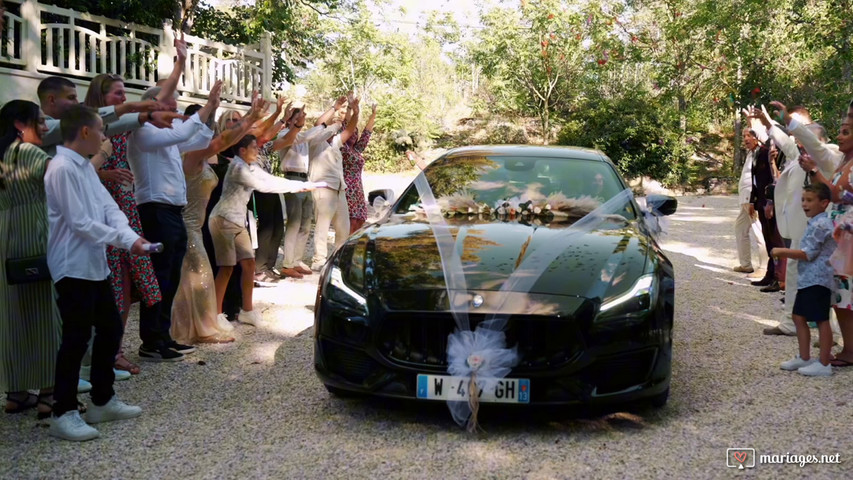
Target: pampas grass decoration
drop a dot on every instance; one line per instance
(462, 202)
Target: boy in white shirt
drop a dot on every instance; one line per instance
(83, 219)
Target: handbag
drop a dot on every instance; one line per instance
(27, 270)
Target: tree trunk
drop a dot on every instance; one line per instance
(546, 125)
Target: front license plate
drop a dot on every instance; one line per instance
(445, 387)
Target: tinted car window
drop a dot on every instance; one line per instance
(492, 179)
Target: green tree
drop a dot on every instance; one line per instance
(533, 57)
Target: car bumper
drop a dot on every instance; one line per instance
(618, 378)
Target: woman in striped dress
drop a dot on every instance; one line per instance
(30, 327)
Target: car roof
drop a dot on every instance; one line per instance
(541, 151)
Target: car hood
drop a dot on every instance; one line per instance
(404, 256)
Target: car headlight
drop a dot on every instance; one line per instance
(637, 299)
(339, 291)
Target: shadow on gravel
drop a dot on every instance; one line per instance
(503, 420)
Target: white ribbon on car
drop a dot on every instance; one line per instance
(481, 355)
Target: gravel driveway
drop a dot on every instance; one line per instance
(254, 409)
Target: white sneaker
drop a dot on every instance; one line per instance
(115, 409)
(83, 386)
(252, 317)
(71, 427)
(86, 374)
(796, 363)
(816, 369)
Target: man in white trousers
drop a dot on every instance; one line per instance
(747, 219)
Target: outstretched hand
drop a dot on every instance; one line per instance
(164, 119)
(782, 111)
(257, 110)
(181, 47)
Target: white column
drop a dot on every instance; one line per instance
(31, 51)
(266, 49)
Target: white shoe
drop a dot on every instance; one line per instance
(223, 323)
(115, 409)
(816, 369)
(71, 427)
(252, 317)
(83, 386)
(796, 363)
(86, 374)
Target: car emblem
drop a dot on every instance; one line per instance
(477, 301)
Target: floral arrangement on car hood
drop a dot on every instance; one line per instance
(554, 205)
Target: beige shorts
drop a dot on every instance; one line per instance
(231, 242)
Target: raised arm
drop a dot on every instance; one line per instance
(827, 160)
(364, 139)
(326, 117)
(171, 84)
(194, 160)
(293, 134)
(267, 129)
(351, 126)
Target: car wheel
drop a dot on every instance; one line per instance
(340, 393)
(659, 400)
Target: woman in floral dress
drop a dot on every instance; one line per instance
(131, 276)
(353, 157)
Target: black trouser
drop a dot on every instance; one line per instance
(772, 239)
(84, 304)
(270, 230)
(162, 223)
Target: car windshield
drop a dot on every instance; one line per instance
(494, 181)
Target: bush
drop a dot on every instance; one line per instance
(506, 133)
(639, 136)
(381, 156)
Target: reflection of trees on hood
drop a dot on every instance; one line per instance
(413, 260)
(452, 175)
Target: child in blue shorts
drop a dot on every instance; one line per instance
(815, 283)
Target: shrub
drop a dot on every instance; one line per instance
(381, 155)
(506, 133)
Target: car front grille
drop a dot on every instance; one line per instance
(620, 372)
(350, 363)
(420, 339)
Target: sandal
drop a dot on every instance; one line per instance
(218, 338)
(45, 399)
(123, 363)
(20, 404)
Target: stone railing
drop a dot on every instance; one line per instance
(44, 39)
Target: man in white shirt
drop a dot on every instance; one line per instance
(746, 219)
(161, 194)
(83, 219)
(57, 94)
(300, 206)
(227, 221)
(330, 203)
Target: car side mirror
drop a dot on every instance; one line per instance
(385, 193)
(663, 204)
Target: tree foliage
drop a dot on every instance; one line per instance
(651, 81)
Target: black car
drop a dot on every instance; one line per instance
(594, 328)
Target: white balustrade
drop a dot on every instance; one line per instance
(66, 44)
